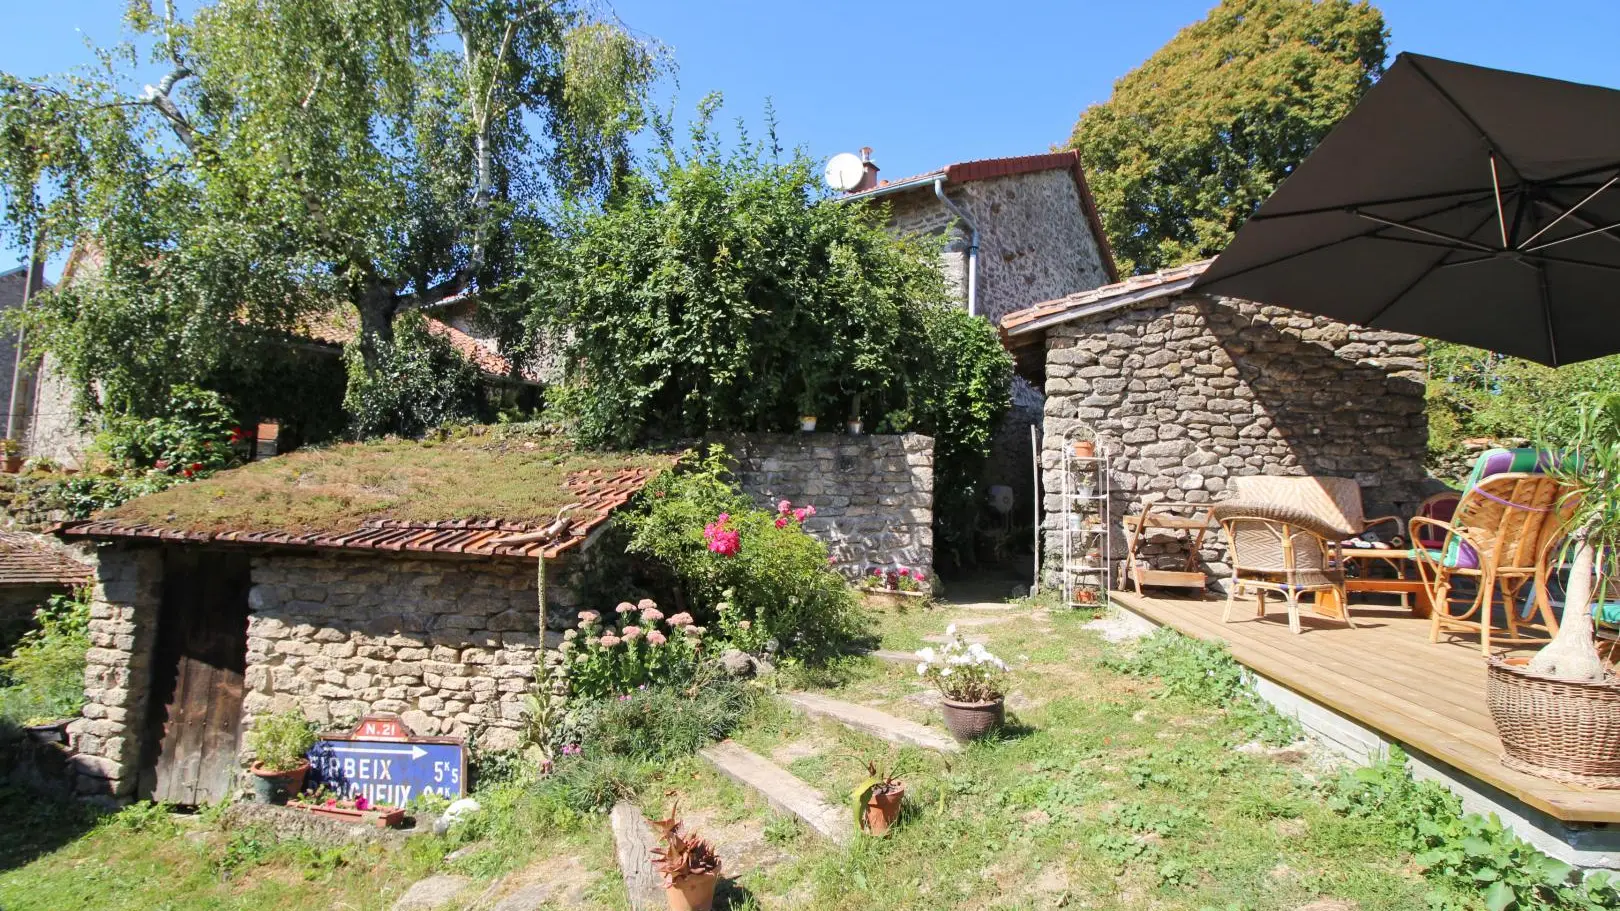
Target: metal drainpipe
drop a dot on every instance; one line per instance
(973, 246)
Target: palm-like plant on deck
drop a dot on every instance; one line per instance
(1590, 466)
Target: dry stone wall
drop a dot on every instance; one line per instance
(874, 495)
(123, 633)
(1189, 391)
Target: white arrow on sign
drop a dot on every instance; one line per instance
(415, 752)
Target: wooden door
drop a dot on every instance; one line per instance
(195, 728)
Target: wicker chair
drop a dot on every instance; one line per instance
(1284, 534)
(1501, 537)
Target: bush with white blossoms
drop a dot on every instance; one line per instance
(963, 672)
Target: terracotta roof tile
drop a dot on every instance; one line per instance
(1137, 287)
(31, 560)
(598, 492)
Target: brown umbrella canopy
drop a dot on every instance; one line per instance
(1457, 202)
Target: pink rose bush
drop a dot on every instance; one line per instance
(601, 661)
(903, 579)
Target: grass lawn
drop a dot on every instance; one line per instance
(1105, 794)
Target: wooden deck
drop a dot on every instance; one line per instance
(1388, 676)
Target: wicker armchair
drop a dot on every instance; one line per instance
(1501, 537)
(1284, 534)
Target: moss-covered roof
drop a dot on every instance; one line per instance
(495, 480)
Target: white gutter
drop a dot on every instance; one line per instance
(973, 245)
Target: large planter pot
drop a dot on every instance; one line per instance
(885, 599)
(882, 809)
(1559, 729)
(692, 892)
(968, 721)
(276, 787)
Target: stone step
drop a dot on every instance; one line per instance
(634, 839)
(872, 721)
(781, 789)
(894, 657)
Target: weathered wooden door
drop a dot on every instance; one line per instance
(195, 725)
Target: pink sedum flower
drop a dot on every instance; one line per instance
(650, 615)
(656, 638)
(681, 619)
(646, 604)
(631, 633)
(624, 607)
(610, 641)
(586, 618)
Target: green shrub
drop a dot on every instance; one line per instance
(1467, 858)
(280, 741)
(194, 435)
(644, 649)
(419, 383)
(43, 679)
(777, 585)
(658, 723)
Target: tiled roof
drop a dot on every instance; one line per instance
(597, 494)
(341, 326)
(1108, 297)
(987, 168)
(30, 560)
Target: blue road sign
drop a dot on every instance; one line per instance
(388, 772)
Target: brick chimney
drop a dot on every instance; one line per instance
(869, 171)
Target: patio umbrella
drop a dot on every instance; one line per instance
(1457, 202)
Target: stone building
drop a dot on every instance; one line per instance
(18, 401)
(1018, 231)
(32, 569)
(208, 612)
(1186, 390)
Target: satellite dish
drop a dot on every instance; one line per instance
(844, 171)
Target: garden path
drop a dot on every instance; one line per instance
(781, 789)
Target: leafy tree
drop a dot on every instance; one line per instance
(725, 291)
(380, 153)
(416, 382)
(1194, 139)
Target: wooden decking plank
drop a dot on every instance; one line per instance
(633, 840)
(1391, 678)
(781, 789)
(871, 721)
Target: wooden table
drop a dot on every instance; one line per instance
(1406, 582)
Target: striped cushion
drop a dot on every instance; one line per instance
(1491, 463)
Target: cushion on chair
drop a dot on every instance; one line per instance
(1491, 463)
(1465, 558)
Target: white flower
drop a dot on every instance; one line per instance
(927, 655)
(950, 631)
(946, 672)
(922, 668)
(977, 650)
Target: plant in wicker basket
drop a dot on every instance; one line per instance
(1559, 713)
(690, 867)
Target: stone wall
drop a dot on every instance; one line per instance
(1188, 391)
(123, 633)
(874, 495)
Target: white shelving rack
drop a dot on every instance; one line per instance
(1087, 519)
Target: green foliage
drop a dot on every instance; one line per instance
(297, 156)
(725, 291)
(279, 742)
(659, 723)
(1194, 139)
(1467, 858)
(644, 650)
(192, 436)
(1204, 672)
(778, 587)
(413, 384)
(43, 678)
(81, 495)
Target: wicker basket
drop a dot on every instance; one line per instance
(1552, 728)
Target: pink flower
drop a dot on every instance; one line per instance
(904, 572)
(809, 510)
(681, 619)
(693, 631)
(745, 625)
(724, 518)
(781, 521)
(631, 633)
(798, 515)
(918, 576)
(656, 638)
(831, 560)
(591, 642)
(651, 615)
(725, 543)
(361, 803)
(877, 570)
(610, 641)
(586, 618)
(784, 507)
(624, 607)
(647, 604)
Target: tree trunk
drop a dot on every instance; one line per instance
(377, 306)
(1572, 655)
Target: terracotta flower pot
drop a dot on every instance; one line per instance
(276, 787)
(969, 721)
(692, 892)
(1084, 449)
(13, 464)
(882, 809)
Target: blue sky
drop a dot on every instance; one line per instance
(926, 84)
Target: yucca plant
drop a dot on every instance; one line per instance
(1589, 463)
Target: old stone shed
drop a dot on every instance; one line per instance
(384, 577)
(1187, 390)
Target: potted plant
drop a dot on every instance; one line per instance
(877, 800)
(279, 743)
(11, 450)
(973, 682)
(1559, 713)
(1084, 449)
(690, 867)
(322, 802)
(894, 588)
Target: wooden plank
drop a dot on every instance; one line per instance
(634, 840)
(871, 721)
(781, 790)
(1389, 678)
